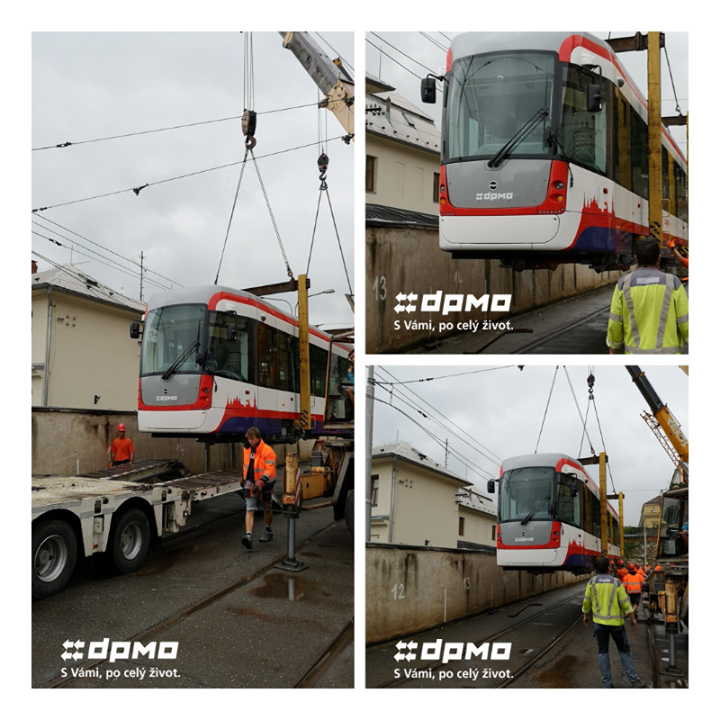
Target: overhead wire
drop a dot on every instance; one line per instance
(434, 41)
(75, 273)
(92, 242)
(425, 67)
(442, 377)
(380, 50)
(113, 266)
(173, 127)
(415, 406)
(137, 190)
(463, 460)
(337, 54)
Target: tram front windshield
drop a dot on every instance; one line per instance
(525, 491)
(169, 334)
(492, 97)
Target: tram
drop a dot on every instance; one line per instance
(216, 361)
(549, 515)
(545, 154)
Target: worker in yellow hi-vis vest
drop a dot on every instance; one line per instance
(649, 310)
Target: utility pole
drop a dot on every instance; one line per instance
(368, 449)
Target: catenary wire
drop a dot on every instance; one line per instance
(137, 190)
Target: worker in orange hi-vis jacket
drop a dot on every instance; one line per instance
(122, 450)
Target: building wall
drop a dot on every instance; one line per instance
(67, 442)
(409, 260)
(651, 514)
(478, 527)
(404, 175)
(91, 353)
(39, 314)
(424, 506)
(413, 589)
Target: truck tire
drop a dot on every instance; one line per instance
(350, 512)
(54, 552)
(130, 540)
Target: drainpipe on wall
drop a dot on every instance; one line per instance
(392, 503)
(47, 351)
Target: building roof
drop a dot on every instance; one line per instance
(471, 498)
(407, 453)
(655, 501)
(71, 280)
(383, 216)
(390, 115)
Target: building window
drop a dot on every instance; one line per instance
(370, 173)
(375, 481)
(462, 526)
(436, 187)
(493, 532)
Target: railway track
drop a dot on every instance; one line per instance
(311, 675)
(507, 633)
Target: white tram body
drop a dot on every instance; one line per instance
(216, 361)
(574, 186)
(549, 516)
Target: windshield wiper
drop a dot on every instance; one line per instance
(183, 356)
(526, 520)
(508, 147)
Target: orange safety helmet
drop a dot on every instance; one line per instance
(121, 427)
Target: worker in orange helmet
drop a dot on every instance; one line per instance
(633, 586)
(622, 570)
(122, 450)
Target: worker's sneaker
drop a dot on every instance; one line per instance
(247, 541)
(267, 536)
(638, 684)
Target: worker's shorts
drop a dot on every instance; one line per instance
(262, 502)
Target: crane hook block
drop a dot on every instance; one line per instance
(249, 122)
(323, 162)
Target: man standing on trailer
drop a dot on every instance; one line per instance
(258, 481)
(649, 309)
(607, 601)
(122, 450)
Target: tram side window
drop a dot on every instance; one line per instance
(622, 168)
(267, 356)
(568, 507)
(318, 370)
(681, 197)
(287, 354)
(596, 522)
(587, 509)
(639, 154)
(229, 351)
(584, 135)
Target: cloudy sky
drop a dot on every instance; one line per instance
(401, 59)
(501, 413)
(89, 86)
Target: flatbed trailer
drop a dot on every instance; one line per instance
(118, 511)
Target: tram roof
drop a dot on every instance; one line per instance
(537, 460)
(473, 43)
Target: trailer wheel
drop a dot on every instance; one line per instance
(350, 512)
(130, 541)
(54, 551)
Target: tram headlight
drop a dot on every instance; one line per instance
(559, 185)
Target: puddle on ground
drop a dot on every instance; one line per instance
(284, 587)
(557, 675)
